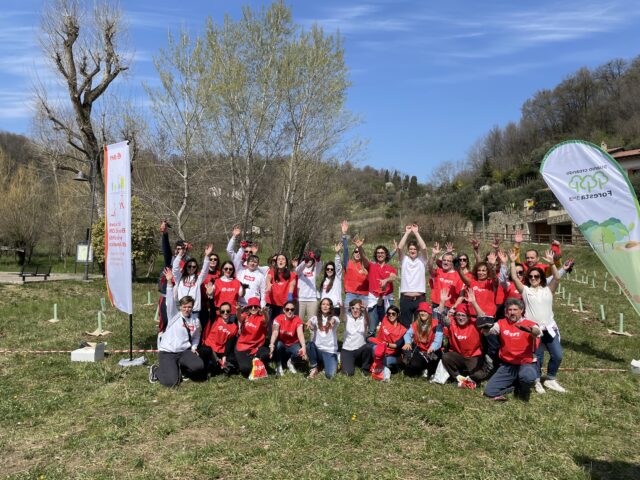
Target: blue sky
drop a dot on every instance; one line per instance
(428, 78)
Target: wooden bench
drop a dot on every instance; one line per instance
(34, 271)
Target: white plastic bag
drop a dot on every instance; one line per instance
(441, 376)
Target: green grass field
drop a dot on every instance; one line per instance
(74, 420)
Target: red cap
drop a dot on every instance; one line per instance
(425, 307)
(253, 302)
(463, 308)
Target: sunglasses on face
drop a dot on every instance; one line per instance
(253, 307)
(464, 259)
(289, 309)
(212, 259)
(191, 266)
(534, 276)
(225, 311)
(520, 272)
(392, 314)
(329, 269)
(227, 269)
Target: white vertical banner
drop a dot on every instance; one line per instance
(117, 241)
(598, 196)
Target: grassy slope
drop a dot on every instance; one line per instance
(66, 420)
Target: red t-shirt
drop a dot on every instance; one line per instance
(227, 292)
(390, 333)
(356, 278)
(280, 289)
(511, 292)
(517, 347)
(424, 346)
(485, 293)
(379, 272)
(287, 329)
(441, 279)
(465, 340)
(253, 332)
(217, 334)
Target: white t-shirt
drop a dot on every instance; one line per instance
(307, 291)
(335, 294)
(256, 282)
(538, 304)
(354, 333)
(326, 341)
(412, 274)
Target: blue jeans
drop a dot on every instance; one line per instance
(552, 344)
(282, 353)
(328, 360)
(376, 314)
(509, 376)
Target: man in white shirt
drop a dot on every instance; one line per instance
(413, 284)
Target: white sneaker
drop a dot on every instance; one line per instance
(554, 385)
(425, 373)
(279, 371)
(290, 366)
(539, 388)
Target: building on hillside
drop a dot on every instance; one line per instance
(629, 160)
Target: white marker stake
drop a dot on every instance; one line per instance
(148, 298)
(103, 304)
(593, 283)
(55, 314)
(605, 285)
(155, 317)
(562, 293)
(621, 323)
(100, 322)
(602, 312)
(580, 304)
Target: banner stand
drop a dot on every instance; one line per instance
(131, 362)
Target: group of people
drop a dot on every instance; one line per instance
(490, 323)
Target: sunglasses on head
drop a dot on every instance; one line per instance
(225, 311)
(289, 309)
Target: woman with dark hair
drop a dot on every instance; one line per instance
(253, 333)
(187, 280)
(423, 342)
(227, 288)
(381, 277)
(538, 303)
(387, 344)
(484, 284)
(323, 347)
(207, 313)
(219, 340)
(280, 285)
(331, 286)
(356, 273)
(355, 350)
(308, 270)
(287, 344)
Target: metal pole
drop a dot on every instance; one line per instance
(130, 337)
(92, 178)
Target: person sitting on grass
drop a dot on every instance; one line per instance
(219, 339)
(178, 345)
(423, 342)
(323, 347)
(287, 346)
(387, 344)
(518, 342)
(250, 343)
(355, 350)
(464, 359)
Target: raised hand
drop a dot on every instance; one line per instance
(475, 243)
(358, 241)
(445, 295)
(168, 274)
(502, 255)
(415, 228)
(495, 244)
(164, 225)
(236, 230)
(407, 229)
(555, 242)
(512, 255)
(469, 296)
(395, 244)
(209, 250)
(209, 288)
(449, 247)
(491, 258)
(338, 247)
(518, 237)
(548, 256)
(568, 264)
(436, 249)
(344, 227)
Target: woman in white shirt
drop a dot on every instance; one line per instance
(538, 300)
(355, 350)
(331, 286)
(323, 347)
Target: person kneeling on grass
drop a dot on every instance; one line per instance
(355, 349)
(219, 340)
(387, 344)
(518, 342)
(287, 346)
(323, 347)
(422, 342)
(250, 343)
(464, 360)
(177, 346)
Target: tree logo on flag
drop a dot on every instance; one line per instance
(588, 182)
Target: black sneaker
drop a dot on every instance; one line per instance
(153, 373)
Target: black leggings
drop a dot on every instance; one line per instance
(244, 359)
